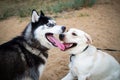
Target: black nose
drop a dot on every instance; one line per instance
(61, 37)
(63, 28)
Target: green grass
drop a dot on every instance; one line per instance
(23, 8)
(60, 6)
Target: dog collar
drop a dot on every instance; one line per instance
(71, 57)
(85, 48)
(82, 51)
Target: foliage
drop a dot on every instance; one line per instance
(23, 8)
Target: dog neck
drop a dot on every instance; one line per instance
(27, 46)
(32, 50)
(80, 51)
(72, 55)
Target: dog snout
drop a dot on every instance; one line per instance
(61, 37)
(63, 28)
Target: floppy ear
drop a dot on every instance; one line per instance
(41, 13)
(35, 16)
(89, 39)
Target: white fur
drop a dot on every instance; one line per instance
(42, 30)
(91, 64)
(35, 17)
(41, 69)
(52, 21)
(28, 31)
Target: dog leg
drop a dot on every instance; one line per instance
(69, 76)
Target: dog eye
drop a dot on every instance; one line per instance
(74, 34)
(50, 25)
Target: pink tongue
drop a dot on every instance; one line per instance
(57, 42)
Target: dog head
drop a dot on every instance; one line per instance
(42, 28)
(75, 40)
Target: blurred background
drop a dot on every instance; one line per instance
(22, 8)
(99, 18)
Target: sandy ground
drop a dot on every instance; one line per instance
(102, 22)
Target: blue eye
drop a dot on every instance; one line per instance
(50, 25)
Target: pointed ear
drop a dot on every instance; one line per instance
(35, 16)
(89, 39)
(41, 13)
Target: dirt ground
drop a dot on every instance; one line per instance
(102, 22)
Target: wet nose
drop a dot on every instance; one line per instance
(61, 36)
(63, 28)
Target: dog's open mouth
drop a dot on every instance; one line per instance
(69, 45)
(54, 41)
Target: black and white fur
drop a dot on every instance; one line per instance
(24, 57)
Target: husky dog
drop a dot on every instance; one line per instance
(24, 57)
(86, 62)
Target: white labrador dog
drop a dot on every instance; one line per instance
(88, 63)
